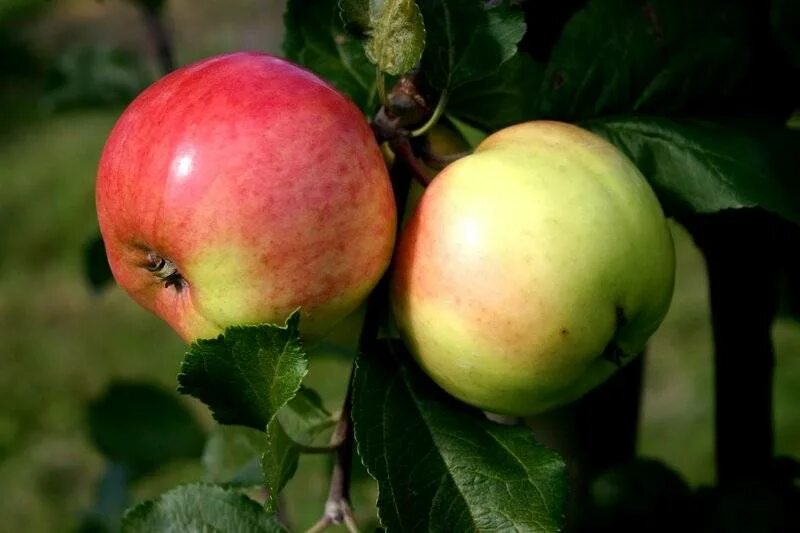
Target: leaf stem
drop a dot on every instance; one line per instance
(437, 114)
(381, 82)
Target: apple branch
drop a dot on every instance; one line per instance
(405, 107)
(337, 507)
(401, 146)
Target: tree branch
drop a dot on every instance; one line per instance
(160, 36)
(403, 150)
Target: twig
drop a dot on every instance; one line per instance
(161, 37)
(402, 149)
(337, 506)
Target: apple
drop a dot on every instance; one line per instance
(531, 265)
(240, 188)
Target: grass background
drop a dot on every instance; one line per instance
(61, 344)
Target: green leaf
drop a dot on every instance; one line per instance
(316, 38)
(663, 55)
(232, 456)
(442, 466)
(199, 507)
(702, 167)
(302, 422)
(248, 374)
(278, 462)
(143, 427)
(501, 99)
(306, 421)
(468, 40)
(95, 264)
(396, 36)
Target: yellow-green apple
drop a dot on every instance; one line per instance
(529, 266)
(240, 188)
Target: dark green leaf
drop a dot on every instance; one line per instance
(504, 98)
(248, 374)
(442, 466)
(705, 167)
(617, 56)
(95, 264)
(232, 456)
(278, 462)
(396, 36)
(305, 419)
(301, 422)
(316, 38)
(143, 427)
(199, 507)
(468, 40)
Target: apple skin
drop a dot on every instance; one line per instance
(524, 261)
(260, 182)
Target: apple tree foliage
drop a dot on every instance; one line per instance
(669, 82)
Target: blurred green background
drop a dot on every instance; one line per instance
(65, 65)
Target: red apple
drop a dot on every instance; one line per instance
(240, 188)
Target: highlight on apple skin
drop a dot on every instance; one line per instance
(529, 266)
(240, 188)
